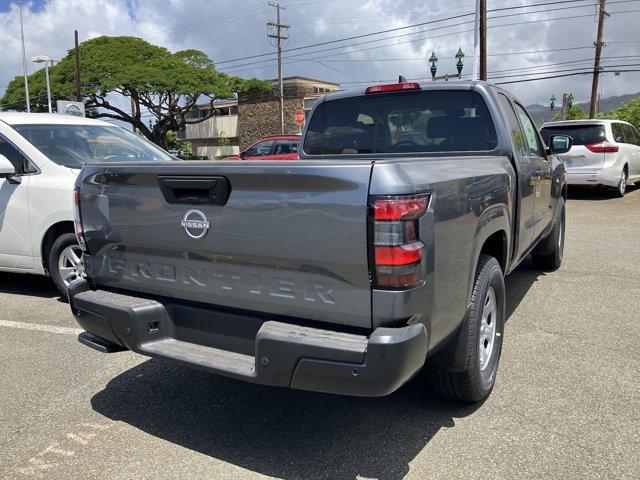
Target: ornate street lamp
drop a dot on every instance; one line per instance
(459, 64)
(433, 59)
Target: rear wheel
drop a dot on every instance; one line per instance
(65, 261)
(622, 185)
(485, 324)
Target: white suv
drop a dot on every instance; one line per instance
(604, 152)
(40, 157)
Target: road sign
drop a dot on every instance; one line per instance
(298, 117)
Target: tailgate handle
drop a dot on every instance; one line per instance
(195, 190)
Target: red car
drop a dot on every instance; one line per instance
(277, 147)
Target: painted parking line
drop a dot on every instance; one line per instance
(40, 327)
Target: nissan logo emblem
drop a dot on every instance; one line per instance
(195, 224)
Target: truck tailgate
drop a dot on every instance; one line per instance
(291, 239)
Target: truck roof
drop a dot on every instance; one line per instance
(569, 123)
(22, 118)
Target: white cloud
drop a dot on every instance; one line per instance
(229, 29)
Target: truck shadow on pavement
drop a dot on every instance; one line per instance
(279, 432)
(287, 433)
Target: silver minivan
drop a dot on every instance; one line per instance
(604, 152)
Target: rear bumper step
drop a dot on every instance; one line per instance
(99, 344)
(279, 354)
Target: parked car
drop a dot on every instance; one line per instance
(40, 157)
(604, 152)
(345, 272)
(278, 147)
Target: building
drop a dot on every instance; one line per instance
(218, 135)
(237, 123)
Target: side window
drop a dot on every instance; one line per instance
(514, 127)
(629, 134)
(19, 161)
(259, 149)
(530, 132)
(284, 147)
(636, 136)
(618, 133)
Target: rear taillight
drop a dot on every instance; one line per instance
(77, 220)
(397, 254)
(603, 147)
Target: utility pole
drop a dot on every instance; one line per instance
(483, 39)
(78, 94)
(24, 63)
(476, 42)
(279, 37)
(596, 64)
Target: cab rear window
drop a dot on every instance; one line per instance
(581, 134)
(416, 121)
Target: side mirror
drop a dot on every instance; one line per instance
(6, 167)
(243, 154)
(560, 144)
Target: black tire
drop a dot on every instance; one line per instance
(549, 253)
(621, 189)
(476, 381)
(63, 242)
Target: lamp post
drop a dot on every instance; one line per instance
(46, 60)
(459, 64)
(433, 59)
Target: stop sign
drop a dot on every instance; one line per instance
(298, 117)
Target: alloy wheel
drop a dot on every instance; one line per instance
(70, 264)
(623, 183)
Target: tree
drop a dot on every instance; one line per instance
(164, 86)
(573, 113)
(628, 112)
(173, 143)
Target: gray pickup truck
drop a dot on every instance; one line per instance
(381, 251)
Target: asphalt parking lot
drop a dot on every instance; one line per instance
(566, 402)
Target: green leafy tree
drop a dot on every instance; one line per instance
(573, 113)
(628, 112)
(182, 146)
(162, 85)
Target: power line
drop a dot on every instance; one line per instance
(587, 72)
(234, 68)
(354, 37)
(261, 62)
(430, 22)
(206, 22)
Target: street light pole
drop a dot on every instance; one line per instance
(46, 74)
(46, 60)
(24, 63)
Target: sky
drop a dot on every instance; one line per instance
(538, 39)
